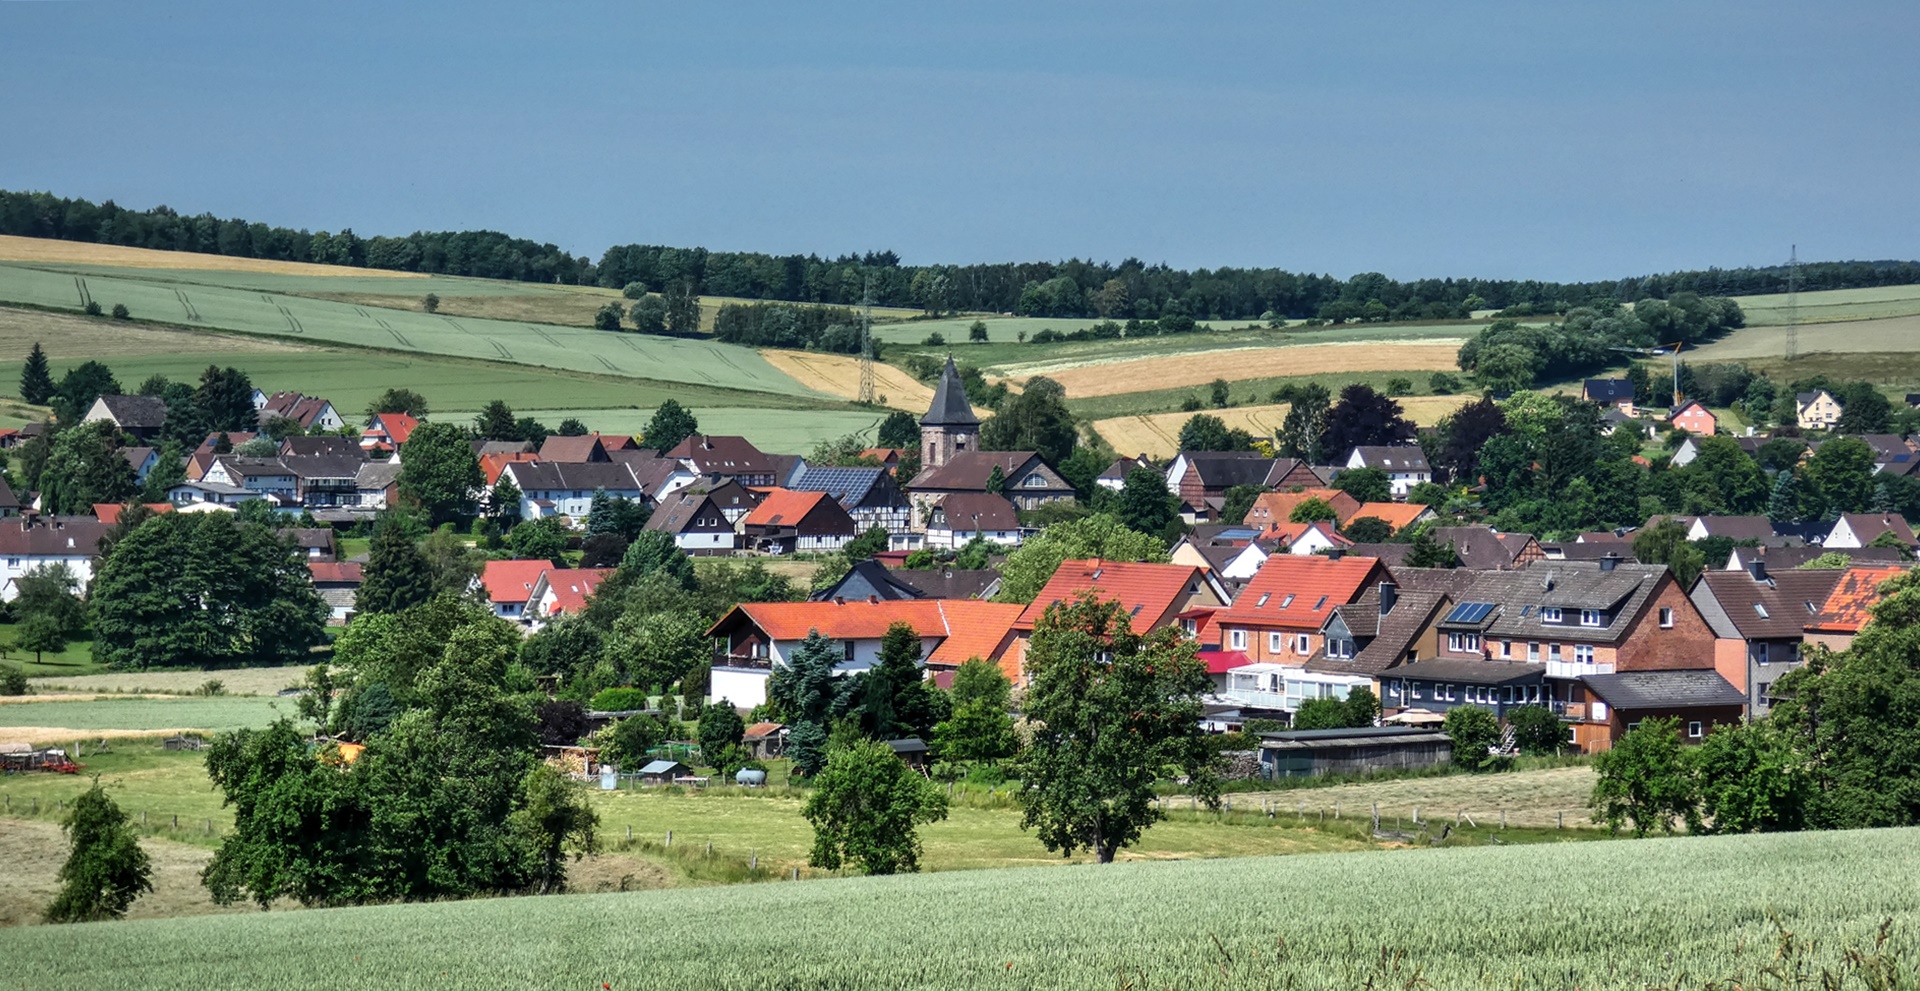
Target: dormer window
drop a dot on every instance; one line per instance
(1549, 614)
(1590, 617)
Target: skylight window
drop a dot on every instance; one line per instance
(1322, 604)
(1762, 610)
(1284, 603)
(1264, 596)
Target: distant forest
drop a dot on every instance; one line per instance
(1073, 288)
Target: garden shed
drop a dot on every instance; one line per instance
(1309, 753)
(911, 749)
(661, 772)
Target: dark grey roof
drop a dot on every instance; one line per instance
(1788, 558)
(975, 511)
(376, 475)
(679, 512)
(136, 412)
(324, 465)
(1664, 689)
(947, 583)
(1392, 554)
(1609, 390)
(1471, 672)
(51, 536)
(1619, 594)
(1226, 469)
(909, 745)
(1321, 737)
(950, 407)
(583, 476)
(1777, 607)
(323, 444)
(1382, 640)
(1392, 458)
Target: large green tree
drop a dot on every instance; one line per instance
(439, 473)
(1027, 570)
(1751, 780)
(866, 808)
(809, 696)
(192, 590)
(78, 389)
(671, 423)
(106, 869)
(225, 399)
(1112, 711)
(1035, 420)
(898, 701)
(1646, 781)
(980, 728)
(85, 468)
(1144, 503)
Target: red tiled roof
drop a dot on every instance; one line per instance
(1398, 515)
(1222, 661)
(572, 587)
(1851, 604)
(1289, 534)
(783, 507)
(1146, 591)
(109, 512)
(760, 731)
(1298, 591)
(398, 426)
(1204, 631)
(976, 629)
(512, 581)
(342, 572)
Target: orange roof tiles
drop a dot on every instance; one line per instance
(341, 572)
(512, 581)
(1398, 515)
(976, 629)
(1299, 592)
(1146, 591)
(783, 507)
(1271, 509)
(1851, 603)
(966, 628)
(493, 464)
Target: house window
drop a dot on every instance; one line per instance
(1416, 692)
(1553, 652)
(1393, 689)
(1666, 617)
(1549, 614)
(1237, 639)
(1583, 653)
(1506, 693)
(1273, 643)
(1035, 482)
(848, 645)
(1452, 692)
(1192, 627)
(1533, 693)
(1339, 648)
(1759, 653)
(1590, 617)
(1301, 645)
(1463, 643)
(1695, 730)
(1506, 648)
(1533, 651)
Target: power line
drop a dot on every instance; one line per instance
(866, 344)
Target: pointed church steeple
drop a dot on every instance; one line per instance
(950, 425)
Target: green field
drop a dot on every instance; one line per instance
(1833, 305)
(1655, 913)
(1005, 356)
(27, 720)
(312, 321)
(237, 681)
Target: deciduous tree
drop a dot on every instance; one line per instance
(671, 424)
(106, 870)
(1646, 781)
(1112, 711)
(866, 808)
(439, 474)
(1027, 570)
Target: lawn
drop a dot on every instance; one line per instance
(237, 681)
(77, 658)
(1665, 913)
(314, 321)
(54, 722)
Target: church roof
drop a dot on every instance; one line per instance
(950, 407)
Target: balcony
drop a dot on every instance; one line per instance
(723, 659)
(1573, 711)
(1574, 669)
(1261, 700)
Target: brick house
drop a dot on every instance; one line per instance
(1759, 620)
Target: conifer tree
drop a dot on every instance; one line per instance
(397, 576)
(36, 379)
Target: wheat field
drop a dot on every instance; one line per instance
(1157, 435)
(36, 249)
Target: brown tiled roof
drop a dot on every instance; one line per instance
(1146, 591)
(1479, 548)
(573, 450)
(1775, 608)
(1398, 515)
(1386, 638)
(969, 470)
(969, 511)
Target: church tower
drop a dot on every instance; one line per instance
(949, 426)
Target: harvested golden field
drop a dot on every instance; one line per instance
(1158, 435)
(1092, 378)
(1546, 797)
(67, 336)
(33, 851)
(35, 249)
(236, 681)
(839, 375)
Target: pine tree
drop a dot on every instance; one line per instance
(36, 379)
(397, 576)
(1783, 504)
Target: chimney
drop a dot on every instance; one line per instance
(1610, 562)
(1335, 553)
(1389, 596)
(1758, 569)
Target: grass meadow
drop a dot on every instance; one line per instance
(60, 721)
(1833, 305)
(1655, 913)
(236, 681)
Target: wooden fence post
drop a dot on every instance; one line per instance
(753, 860)
(669, 837)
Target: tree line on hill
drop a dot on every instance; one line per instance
(1072, 288)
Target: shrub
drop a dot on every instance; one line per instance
(935, 339)
(1475, 733)
(92, 309)
(13, 680)
(619, 700)
(120, 312)
(1537, 731)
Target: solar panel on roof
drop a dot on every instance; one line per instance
(1469, 612)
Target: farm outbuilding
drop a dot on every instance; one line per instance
(911, 749)
(1310, 753)
(662, 772)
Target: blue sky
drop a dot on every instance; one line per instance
(1544, 140)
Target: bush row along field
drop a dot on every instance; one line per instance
(1665, 913)
(321, 321)
(1158, 435)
